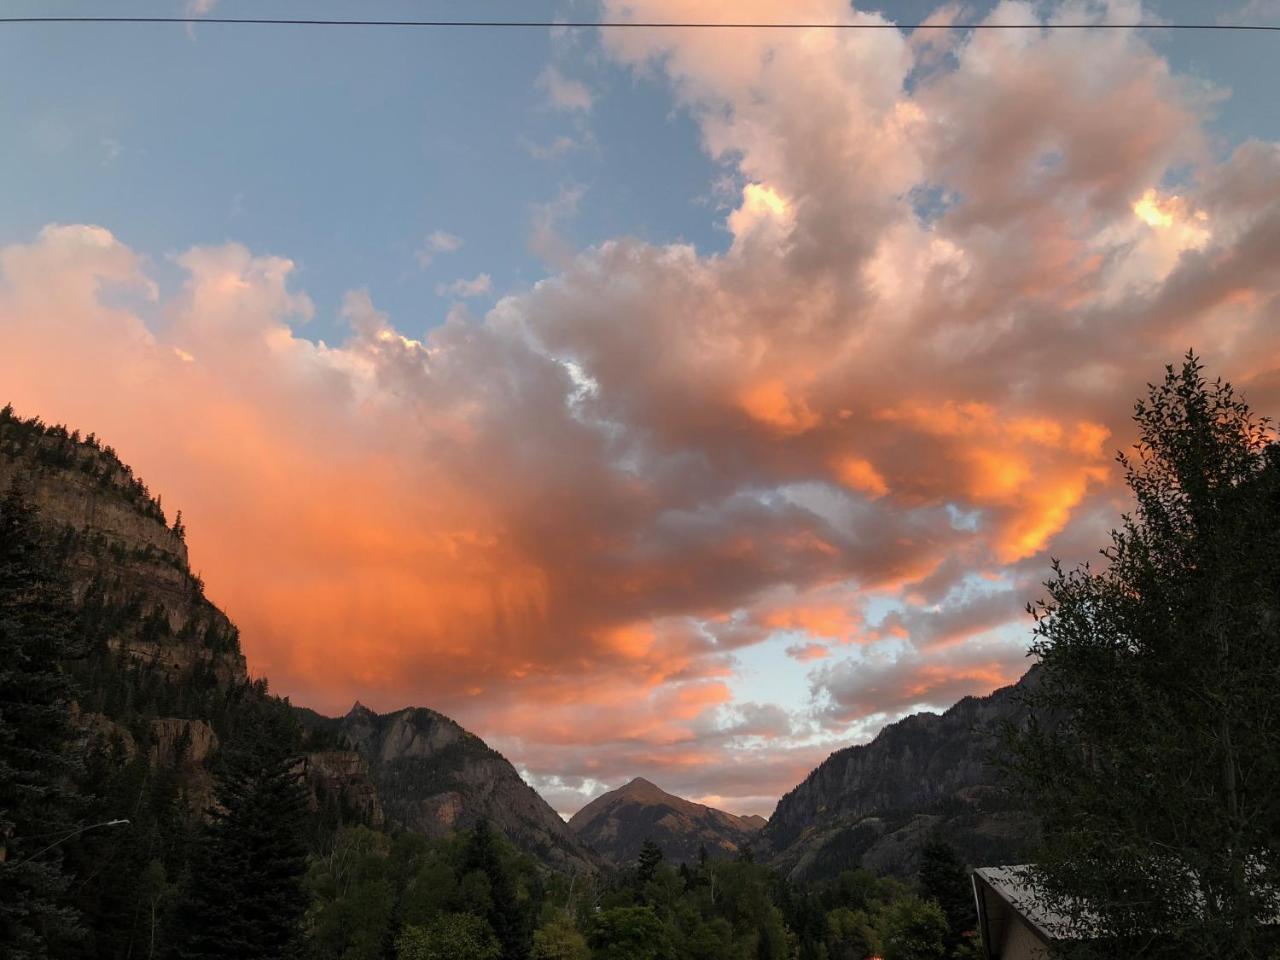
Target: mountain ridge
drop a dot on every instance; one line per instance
(873, 805)
(434, 776)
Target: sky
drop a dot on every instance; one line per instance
(672, 403)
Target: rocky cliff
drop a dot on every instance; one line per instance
(617, 823)
(120, 551)
(435, 777)
(873, 805)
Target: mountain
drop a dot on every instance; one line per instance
(434, 777)
(618, 822)
(163, 682)
(161, 677)
(873, 805)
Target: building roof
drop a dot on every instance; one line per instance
(1011, 884)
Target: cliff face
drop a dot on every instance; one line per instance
(617, 823)
(342, 778)
(120, 551)
(434, 777)
(153, 644)
(873, 805)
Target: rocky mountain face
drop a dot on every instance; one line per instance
(617, 823)
(434, 777)
(873, 805)
(155, 643)
(120, 551)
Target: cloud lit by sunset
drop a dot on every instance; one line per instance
(646, 501)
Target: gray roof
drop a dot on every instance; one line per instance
(1011, 884)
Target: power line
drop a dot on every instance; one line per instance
(651, 25)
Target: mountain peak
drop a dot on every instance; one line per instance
(617, 823)
(640, 788)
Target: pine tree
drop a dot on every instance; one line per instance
(37, 754)
(944, 880)
(1152, 756)
(506, 915)
(244, 896)
(648, 861)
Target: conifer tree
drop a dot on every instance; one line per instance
(506, 915)
(244, 897)
(37, 755)
(648, 861)
(944, 880)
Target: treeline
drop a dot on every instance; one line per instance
(54, 446)
(375, 896)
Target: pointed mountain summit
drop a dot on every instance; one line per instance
(617, 823)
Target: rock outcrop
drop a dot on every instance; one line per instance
(342, 778)
(873, 805)
(617, 823)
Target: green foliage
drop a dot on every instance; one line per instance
(629, 933)
(450, 936)
(851, 935)
(944, 879)
(244, 896)
(353, 895)
(913, 929)
(558, 939)
(37, 754)
(1153, 758)
(647, 863)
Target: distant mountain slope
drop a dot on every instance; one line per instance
(434, 777)
(872, 805)
(617, 823)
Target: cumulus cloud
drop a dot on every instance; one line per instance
(862, 428)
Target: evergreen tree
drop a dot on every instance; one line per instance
(1153, 755)
(506, 914)
(944, 880)
(648, 861)
(244, 895)
(37, 754)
